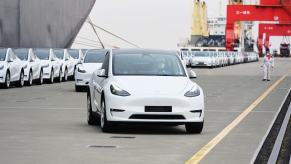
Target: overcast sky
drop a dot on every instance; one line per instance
(147, 23)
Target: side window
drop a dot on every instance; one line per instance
(105, 64)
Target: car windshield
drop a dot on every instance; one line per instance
(2, 54)
(59, 53)
(42, 54)
(21, 53)
(201, 54)
(95, 56)
(147, 64)
(74, 53)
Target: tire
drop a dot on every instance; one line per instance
(106, 126)
(40, 79)
(30, 79)
(7, 80)
(92, 118)
(194, 127)
(60, 78)
(20, 82)
(51, 80)
(66, 75)
(78, 88)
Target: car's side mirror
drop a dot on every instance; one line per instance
(31, 60)
(53, 59)
(101, 73)
(9, 60)
(192, 74)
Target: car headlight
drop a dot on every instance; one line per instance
(1, 67)
(118, 91)
(81, 69)
(45, 66)
(193, 92)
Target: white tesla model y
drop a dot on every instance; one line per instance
(148, 86)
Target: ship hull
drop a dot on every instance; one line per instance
(42, 23)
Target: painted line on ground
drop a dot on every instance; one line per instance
(196, 158)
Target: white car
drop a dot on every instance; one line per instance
(78, 57)
(147, 86)
(93, 60)
(11, 68)
(186, 55)
(67, 63)
(32, 68)
(202, 59)
(51, 65)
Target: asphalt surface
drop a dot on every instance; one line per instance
(47, 124)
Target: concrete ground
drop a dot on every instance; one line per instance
(47, 124)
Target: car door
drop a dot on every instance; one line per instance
(14, 66)
(98, 82)
(34, 65)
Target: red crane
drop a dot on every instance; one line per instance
(271, 30)
(268, 10)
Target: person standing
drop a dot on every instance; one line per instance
(268, 64)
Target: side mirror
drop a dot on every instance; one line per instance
(53, 59)
(31, 60)
(192, 74)
(101, 73)
(9, 60)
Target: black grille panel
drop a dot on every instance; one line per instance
(157, 117)
(158, 109)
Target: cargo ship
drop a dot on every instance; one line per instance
(42, 23)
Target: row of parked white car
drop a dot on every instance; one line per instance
(23, 66)
(212, 59)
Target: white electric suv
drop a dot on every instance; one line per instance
(32, 67)
(51, 65)
(93, 60)
(67, 62)
(11, 68)
(148, 86)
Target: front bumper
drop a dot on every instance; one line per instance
(198, 63)
(132, 109)
(46, 72)
(82, 79)
(2, 76)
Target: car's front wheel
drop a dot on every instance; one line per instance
(194, 127)
(106, 125)
(92, 118)
(20, 82)
(30, 75)
(7, 80)
(40, 79)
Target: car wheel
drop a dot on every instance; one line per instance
(20, 82)
(194, 127)
(52, 76)
(105, 125)
(92, 118)
(40, 79)
(7, 80)
(66, 75)
(60, 79)
(29, 82)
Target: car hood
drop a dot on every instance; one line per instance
(91, 67)
(44, 62)
(153, 85)
(202, 59)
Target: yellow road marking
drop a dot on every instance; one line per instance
(210, 145)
